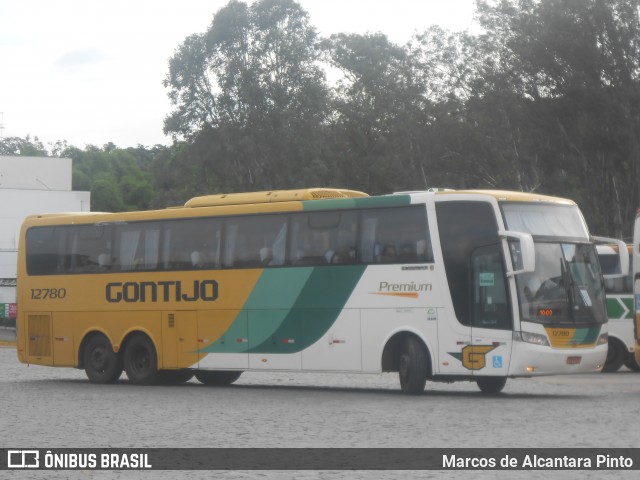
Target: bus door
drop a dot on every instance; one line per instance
(475, 337)
(491, 313)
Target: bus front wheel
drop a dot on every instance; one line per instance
(616, 355)
(141, 360)
(491, 385)
(217, 378)
(413, 366)
(101, 363)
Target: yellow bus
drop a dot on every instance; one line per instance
(434, 285)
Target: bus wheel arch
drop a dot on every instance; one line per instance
(140, 358)
(407, 354)
(98, 359)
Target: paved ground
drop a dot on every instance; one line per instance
(7, 334)
(54, 407)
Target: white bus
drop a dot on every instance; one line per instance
(442, 286)
(636, 283)
(620, 309)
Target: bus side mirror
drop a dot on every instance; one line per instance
(623, 253)
(526, 257)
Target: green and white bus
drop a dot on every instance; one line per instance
(435, 285)
(620, 309)
(636, 283)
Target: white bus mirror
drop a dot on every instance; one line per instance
(623, 254)
(527, 252)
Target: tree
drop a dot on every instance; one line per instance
(252, 81)
(25, 147)
(381, 111)
(119, 179)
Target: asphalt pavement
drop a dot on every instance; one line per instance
(45, 407)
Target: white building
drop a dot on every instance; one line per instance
(30, 185)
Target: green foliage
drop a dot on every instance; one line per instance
(250, 98)
(25, 147)
(118, 179)
(573, 67)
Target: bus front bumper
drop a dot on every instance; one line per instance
(532, 360)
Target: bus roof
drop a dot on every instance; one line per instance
(272, 196)
(507, 196)
(279, 201)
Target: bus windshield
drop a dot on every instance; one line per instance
(546, 220)
(566, 286)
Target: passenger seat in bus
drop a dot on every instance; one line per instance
(104, 261)
(197, 259)
(388, 254)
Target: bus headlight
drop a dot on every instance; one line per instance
(603, 339)
(528, 337)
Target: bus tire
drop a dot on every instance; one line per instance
(141, 360)
(413, 366)
(491, 385)
(218, 377)
(632, 363)
(616, 355)
(101, 363)
(174, 377)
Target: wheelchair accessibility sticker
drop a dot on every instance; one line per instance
(497, 361)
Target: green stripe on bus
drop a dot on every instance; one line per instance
(586, 336)
(268, 301)
(360, 202)
(316, 309)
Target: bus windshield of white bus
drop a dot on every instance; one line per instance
(566, 286)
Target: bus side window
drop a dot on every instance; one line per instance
(321, 238)
(192, 243)
(395, 235)
(611, 265)
(137, 247)
(86, 244)
(46, 250)
(255, 242)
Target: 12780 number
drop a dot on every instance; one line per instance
(48, 293)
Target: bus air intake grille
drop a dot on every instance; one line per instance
(39, 330)
(320, 194)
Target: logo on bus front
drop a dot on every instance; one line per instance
(473, 357)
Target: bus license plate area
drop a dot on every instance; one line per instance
(575, 360)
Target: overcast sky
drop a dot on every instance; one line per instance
(91, 71)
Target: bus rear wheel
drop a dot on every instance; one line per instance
(413, 366)
(491, 385)
(101, 363)
(217, 378)
(141, 360)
